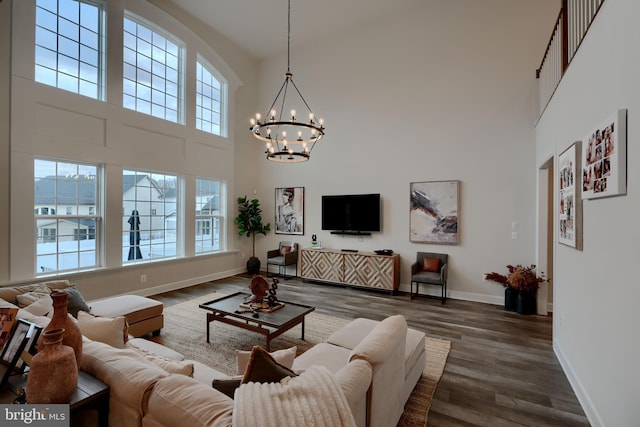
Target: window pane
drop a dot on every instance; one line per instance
(147, 230)
(62, 189)
(155, 61)
(58, 31)
(208, 214)
(208, 100)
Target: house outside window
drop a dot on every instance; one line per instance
(152, 70)
(65, 242)
(149, 222)
(70, 47)
(210, 99)
(209, 215)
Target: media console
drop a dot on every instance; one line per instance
(361, 269)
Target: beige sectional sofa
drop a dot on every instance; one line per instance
(152, 385)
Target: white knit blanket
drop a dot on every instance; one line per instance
(314, 398)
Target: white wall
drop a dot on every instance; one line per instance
(445, 91)
(596, 290)
(49, 122)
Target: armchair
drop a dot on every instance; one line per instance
(285, 255)
(430, 269)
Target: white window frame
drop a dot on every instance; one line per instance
(144, 194)
(68, 60)
(142, 81)
(204, 116)
(206, 243)
(51, 258)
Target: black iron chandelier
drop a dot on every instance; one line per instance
(288, 139)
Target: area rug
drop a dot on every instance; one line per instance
(185, 331)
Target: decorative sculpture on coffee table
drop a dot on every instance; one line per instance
(259, 300)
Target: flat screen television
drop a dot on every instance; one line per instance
(351, 214)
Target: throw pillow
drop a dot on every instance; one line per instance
(262, 368)
(76, 302)
(29, 298)
(226, 386)
(42, 307)
(285, 250)
(431, 265)
(284, 357)
(112, 331)
(171, 366)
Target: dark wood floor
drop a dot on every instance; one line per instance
(501, 370)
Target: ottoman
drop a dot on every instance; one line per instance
(144, 315)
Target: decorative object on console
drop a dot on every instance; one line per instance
(259, 300)
(61, 320)
(53, 375)
(289, 205)
(604, 156)
(273, 128)
(570, 208)
(384, 252)
(20, 335)
(249, 222)
(433, 214)
(525, 281)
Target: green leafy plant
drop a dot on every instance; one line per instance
(249, 220)
(520, 278)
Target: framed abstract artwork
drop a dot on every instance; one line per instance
(570, 202)
(289, 210)
(604, 158)
(433, 213)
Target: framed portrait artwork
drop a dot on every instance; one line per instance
(570, 202)
(12, 350)
(289, 207)
(604, 158)
(433, 213)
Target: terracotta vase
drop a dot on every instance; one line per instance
(53, 373)
(61, 320)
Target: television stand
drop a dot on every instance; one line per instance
(358, 269)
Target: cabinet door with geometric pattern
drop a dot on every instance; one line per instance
(370, 271)
(321, 265)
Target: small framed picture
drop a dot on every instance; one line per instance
(13, 349)
(30, 346)
(289, 206)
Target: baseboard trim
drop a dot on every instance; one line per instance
(466, 296)
(168, 287)
(583, 397)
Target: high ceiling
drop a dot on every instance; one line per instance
(260, 26)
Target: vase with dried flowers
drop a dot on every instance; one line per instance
(521, 286)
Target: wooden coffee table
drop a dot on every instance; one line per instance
(271, 325)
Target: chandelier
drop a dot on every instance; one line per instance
(288, 139)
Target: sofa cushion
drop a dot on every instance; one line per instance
(352, 333)
(142, 345)
(182, 401)
(129, 376)
(42, 307)
(205, 374)
(112, 331)
(262, 368)
(32, 296)
(330, 356)
(285, 357)
(171, 366)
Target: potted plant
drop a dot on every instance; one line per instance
(521, 286)
(249, 221)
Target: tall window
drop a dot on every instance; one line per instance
(65, 242)
(146, 235)
(70, 46)
(210, 99)
(151, 67)
(209, 215)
